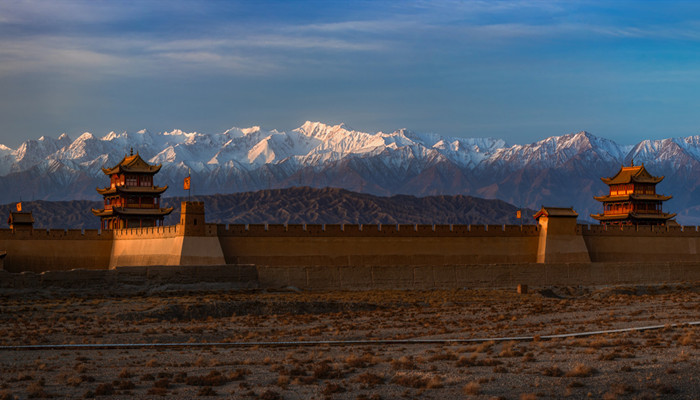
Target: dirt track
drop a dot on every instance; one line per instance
(660, 363)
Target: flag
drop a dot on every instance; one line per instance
(518, 214)
(186, 185)
(19, 206)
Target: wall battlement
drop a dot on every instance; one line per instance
(150, 232)
(380, 230)
(56, 234)
(640, 230)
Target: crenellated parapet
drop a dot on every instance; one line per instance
(372, 230)
(640, 230)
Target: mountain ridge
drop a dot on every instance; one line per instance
(559, 170)
(299, 205)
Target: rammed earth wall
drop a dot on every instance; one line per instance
(357, 245)
(55, 250)
(642, 243)
(140, 280)
(404, 255)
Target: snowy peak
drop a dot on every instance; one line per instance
(316, 144)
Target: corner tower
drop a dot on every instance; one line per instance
(632, 199)
(132, 200)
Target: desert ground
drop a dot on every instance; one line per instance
(659, 363)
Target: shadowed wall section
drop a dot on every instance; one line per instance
(56, 249)
(345, 245)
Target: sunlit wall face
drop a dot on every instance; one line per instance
(516, 70)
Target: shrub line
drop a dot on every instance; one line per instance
(107, 346)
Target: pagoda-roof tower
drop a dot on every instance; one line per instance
(632, 198)
(132, 163)
(132, 200)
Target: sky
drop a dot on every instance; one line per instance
(517, 70)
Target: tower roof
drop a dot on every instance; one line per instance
(137, 212)
(633, 216)
(565, 212)
(633, 173)
(18, 218)
(132, 163)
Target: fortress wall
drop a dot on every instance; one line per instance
(160, 245)
(165, 245)
(163, 250)
(642, 243)
(357, 245)
(399, 277)
(136, 278)
(55, 249)
(333, 277)
(380, 230)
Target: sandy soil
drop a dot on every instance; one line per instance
(650, 364)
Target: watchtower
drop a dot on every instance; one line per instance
(632, 199)
(21, 221)
(559, 240)
(132, 200)
(192, 218)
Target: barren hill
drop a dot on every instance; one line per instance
(300, 205)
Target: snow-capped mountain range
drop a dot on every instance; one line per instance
(561, 170)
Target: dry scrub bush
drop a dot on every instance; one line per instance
(270, 395)
(363, 396)
(207, 391)
(162, 383)
(104, 389)
(360, 362)
(661, 388)
(688, 339)
(580, 371)
(123, 385)
(152, 363)
(283, 381)
(552, 371)
(157, 391)
(332, 388)
(369, 379)
(403, 363)
(472, 388)
(213, 378)
(238, 374)
(147, 377)
(415, 381)
(35, 390)
(6, 395)
(509, 350)
(473, 361)
(325, 370)
(448, 356)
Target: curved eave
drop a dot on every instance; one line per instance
(650, 197)
(616, 181)
(134, 189)
(143, 212)
(619, 217)
(121, 168)
(102, 213)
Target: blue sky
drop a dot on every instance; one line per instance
(517, 70)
